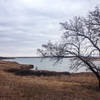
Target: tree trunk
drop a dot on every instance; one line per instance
(99, 83)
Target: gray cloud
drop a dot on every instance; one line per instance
(26, 24)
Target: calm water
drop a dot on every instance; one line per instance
(47, 64)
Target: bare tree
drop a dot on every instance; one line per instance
(81, 39)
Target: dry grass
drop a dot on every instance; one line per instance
(80, 86)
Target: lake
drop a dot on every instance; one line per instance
(48, 64)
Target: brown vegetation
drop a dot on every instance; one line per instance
(80, 86)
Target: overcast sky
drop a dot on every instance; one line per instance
(27, 24)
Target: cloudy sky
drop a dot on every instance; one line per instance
(27, 24)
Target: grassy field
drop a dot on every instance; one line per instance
(80, 86)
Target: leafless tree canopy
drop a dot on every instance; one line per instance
(81, 39)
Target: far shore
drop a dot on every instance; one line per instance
(93, 58)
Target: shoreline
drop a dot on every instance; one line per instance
(44, 69)
(31, 71)
(16, 67)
